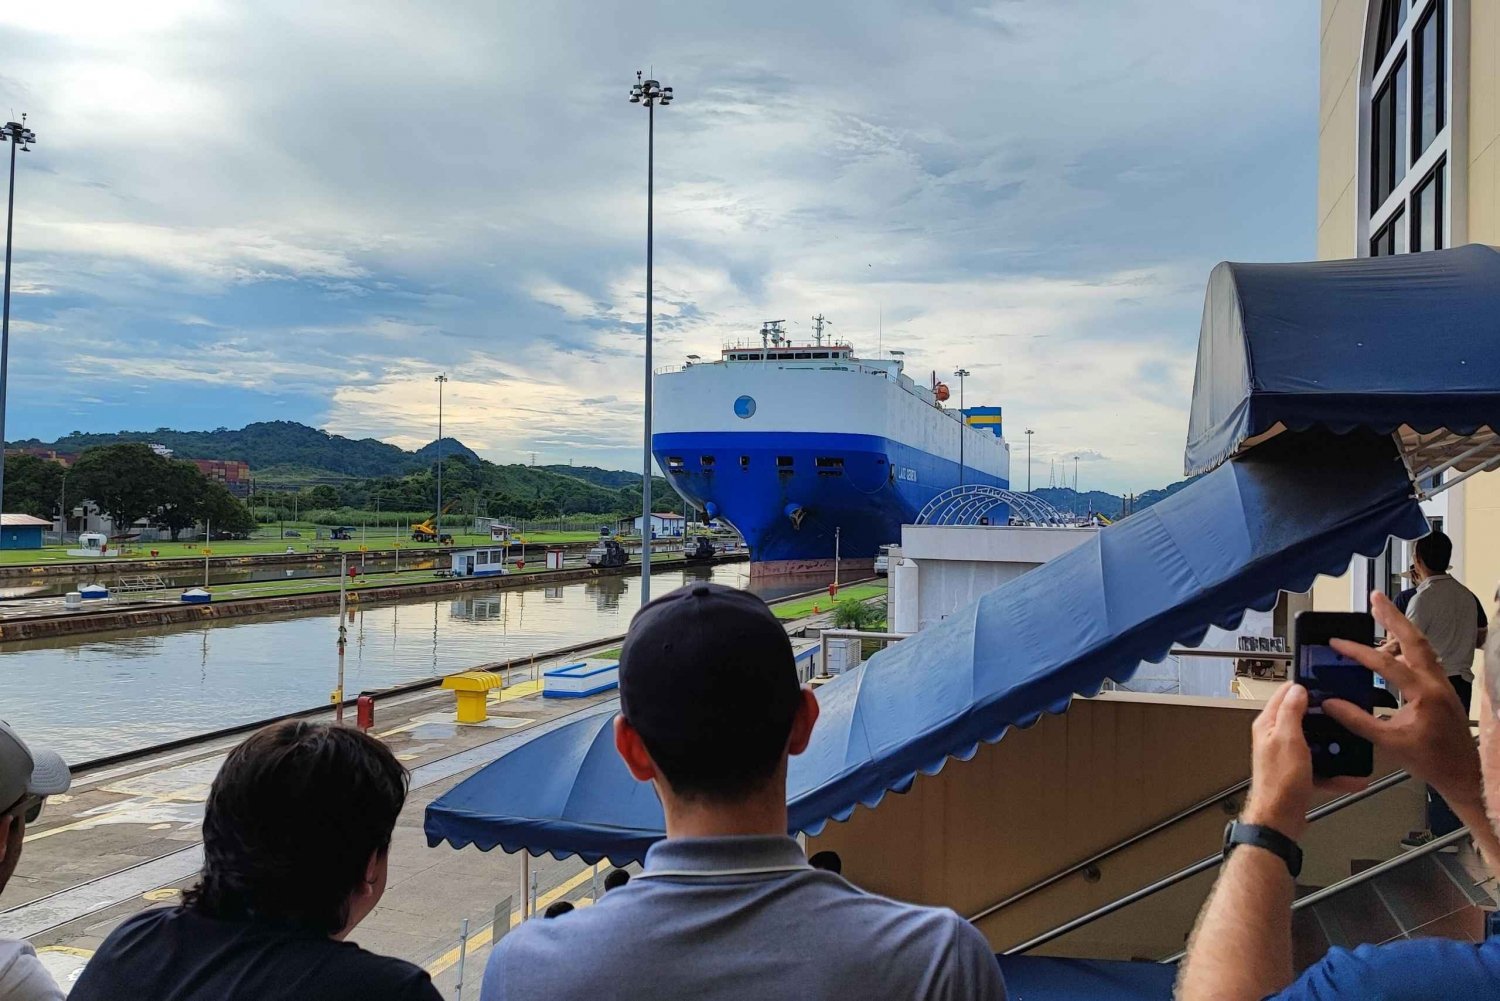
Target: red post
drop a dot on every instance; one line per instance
(364, 712)
(833, 590)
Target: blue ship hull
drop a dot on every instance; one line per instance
(787, 504)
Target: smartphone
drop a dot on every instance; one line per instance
(1326, 673)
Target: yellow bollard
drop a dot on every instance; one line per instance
(471, 689)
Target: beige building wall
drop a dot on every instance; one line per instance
(1341, 43)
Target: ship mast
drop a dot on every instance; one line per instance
(771, 331)
(818, 323)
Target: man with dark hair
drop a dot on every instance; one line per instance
(28, 776)
(728, 907)
(1448, 614)
(296, 836)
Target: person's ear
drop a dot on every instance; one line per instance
(802, 721)
(632, 750)
(5, 825)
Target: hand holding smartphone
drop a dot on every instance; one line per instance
(1326, 673)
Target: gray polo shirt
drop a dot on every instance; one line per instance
(1448, 614)
(742, 918)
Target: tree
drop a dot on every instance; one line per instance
(224, 511)
(181, 498)
(32, 486)
(123, 480)
(323, 497)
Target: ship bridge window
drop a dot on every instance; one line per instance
(803, 355)
(706, 461)
(674, 463)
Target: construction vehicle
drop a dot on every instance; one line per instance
(608, 553)
(428, 531)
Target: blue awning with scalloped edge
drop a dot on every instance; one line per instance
(1401, 344)
(1270, 520)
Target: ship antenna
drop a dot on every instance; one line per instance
(818, 323)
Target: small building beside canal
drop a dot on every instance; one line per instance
(22, 531)
(664, 525)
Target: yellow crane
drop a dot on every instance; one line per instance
(428, 531)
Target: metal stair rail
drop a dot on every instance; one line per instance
(1217, 798)
(1463, 888)
(1201, 866)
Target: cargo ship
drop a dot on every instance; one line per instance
(813, 453)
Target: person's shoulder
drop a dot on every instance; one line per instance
(377, 976)
(22, 976)
(1400, 970)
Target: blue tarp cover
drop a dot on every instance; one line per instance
(1273, 518)
(1043, 978)
(1375, 343)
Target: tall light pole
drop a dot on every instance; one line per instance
(441, 379)
(650, 93)
(962, 423)
(1029, 433)
(20, 137)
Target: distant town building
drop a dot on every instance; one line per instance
(161, 450)
(22, 531)
(663, 525)
(49, 454)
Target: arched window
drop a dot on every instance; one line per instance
(1413, 80)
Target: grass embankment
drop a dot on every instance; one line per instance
(276, 545)
(364, 582)
(803, 607)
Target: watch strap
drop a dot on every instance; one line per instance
(1269, 838)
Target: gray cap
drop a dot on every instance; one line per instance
(28, 770)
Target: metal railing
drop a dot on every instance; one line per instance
(1201, 866)
(1366, 875)
(1119, 846)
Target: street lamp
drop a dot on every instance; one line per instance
(649, 93)
(1029, 433)
(441, 379)
(20, 138)
(961, 373)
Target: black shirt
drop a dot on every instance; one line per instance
(174, 954)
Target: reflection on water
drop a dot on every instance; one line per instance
(90, 696)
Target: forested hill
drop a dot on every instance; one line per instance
(273, 443)
(1109, 505)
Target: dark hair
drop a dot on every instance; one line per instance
(828, 861)
(557, 908)
(616, 879)
(1435, 550)
(292, 819)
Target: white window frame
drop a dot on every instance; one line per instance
(1451, 143)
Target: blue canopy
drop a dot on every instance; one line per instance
(1274, 518)
(1403, 343)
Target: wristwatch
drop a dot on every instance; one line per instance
(1272, 840)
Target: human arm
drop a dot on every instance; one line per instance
(1429, 735)
(1242, 945)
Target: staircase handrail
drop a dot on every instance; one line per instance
(1365, 875)
(1202, 865)
(1113, 849)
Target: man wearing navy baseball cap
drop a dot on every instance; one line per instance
(728, 907)
(28, 775)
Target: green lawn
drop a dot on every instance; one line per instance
(803, 607)
(386, 539)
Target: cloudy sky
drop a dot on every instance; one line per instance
(251, 211)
